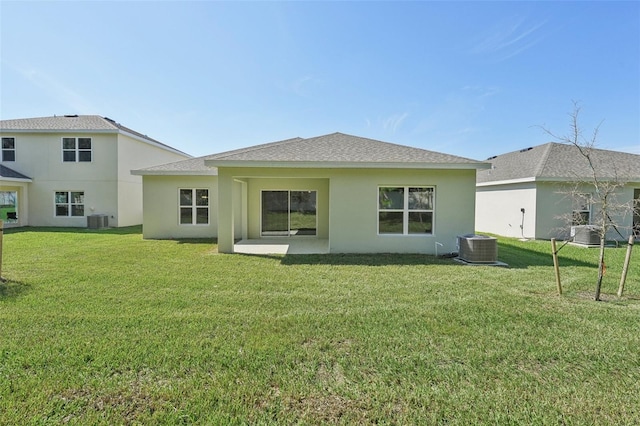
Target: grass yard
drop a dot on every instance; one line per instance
(102, 327)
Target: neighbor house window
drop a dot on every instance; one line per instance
(76, 149)
(194, 206)
(8, 149)
(581, 213)
(405, 210)
(69, 203)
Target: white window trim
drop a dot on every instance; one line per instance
(8, 149)
(77, 150)
(68, 204)
(194, 207)
(588, 200)
(405, 212)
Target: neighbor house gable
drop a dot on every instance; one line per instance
(558, 162)
(524, 193)
(84, 158)
(74, 124)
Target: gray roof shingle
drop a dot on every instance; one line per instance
(332, 149)
(6, 172)
(557, 161)
(338, 148)
(59, 122)
(73, 123)
(191, 166)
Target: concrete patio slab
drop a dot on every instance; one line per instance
(282, 246)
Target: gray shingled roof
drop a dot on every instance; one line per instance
(557, 161)
(337, 148)
(332, 149)
(6, 172)
(191, 166)
(73, 123)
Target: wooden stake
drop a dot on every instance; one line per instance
(625, 268)
(555, 265)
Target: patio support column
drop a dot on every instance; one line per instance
(225, 211)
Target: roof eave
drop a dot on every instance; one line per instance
(344, 165)
(76, 131)
(550, 179)
(506, 181)
(174, 172)
(13, 179)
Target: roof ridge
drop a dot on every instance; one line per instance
(254, 148)
(544, 159)
(394, 144)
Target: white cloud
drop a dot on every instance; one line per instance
(57, 90)
(510, 39)
(393, 122)
(304, 85)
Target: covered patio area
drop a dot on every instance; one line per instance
(282, 246)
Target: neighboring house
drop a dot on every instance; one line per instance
(56, 171)
(355, 194)
(524, 193)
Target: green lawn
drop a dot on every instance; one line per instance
(102, 327)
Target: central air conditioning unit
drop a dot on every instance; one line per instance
(588, 235)
(97, 221)
(478, 248)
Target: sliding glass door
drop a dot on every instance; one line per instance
(287, 213)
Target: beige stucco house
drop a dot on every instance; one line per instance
(346, 193)
(56, 171)
(524, 193)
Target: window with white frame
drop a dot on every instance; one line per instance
(405, 210)
(69, 203)
(76, 150)
(581, 212)
(194, 206)
(8, 149)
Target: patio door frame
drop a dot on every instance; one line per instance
(289, 232)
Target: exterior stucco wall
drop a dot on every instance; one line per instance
(39, 156)
(548, 208)
(106, 181)
(353, 205)
(555, 207)
(161, 207)
(499, 210)
(353, 221)
(135, 154)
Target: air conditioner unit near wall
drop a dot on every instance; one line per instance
(97, 221)
(478, 248)
(588, 235)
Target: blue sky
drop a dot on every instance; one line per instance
(474, 79)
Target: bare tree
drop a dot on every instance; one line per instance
(599, 190)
